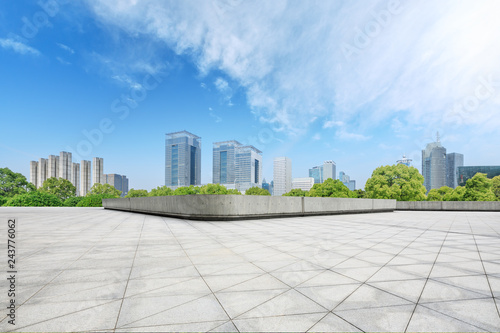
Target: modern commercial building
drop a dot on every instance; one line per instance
(86, 180)
(266, 185)
(321, 173)
(282, 174)
(42, 172)
(224, 163)
(65, 165)
(98, 171)
(75, 177)
(182, 159)
(119, 182)
(453, 161)
(347, 181)
(465, 173)
(53, 166)
(434, 165)
(305, 183)
(405, 161)
(34, 173)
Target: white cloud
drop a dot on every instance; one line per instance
(66, 48)
(128, 81)
(62, 61)
(316, 137)
(18, 47)
(331, 123)
(423, 59)
(226, 91)
(348, 136)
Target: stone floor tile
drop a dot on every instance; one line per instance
(367, 297)
(427, 320)
(333, 323)
(382, 319)
(328, 296)
(288, 323)
(237, 302)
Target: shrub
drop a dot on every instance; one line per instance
(161, 191)
(34, 199)
(73, 201)
(296, 192)
(257, 191)
(94, 200)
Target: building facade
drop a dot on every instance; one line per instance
(317, 174)
(434, 165)
(53, 166)
(305, 183)
(405, 161)
(34, 173)
(65, 165)
(119, 182)
(465, 173)
(42, 172)
(182, 159)
(282, 174)
(224, 164)
(75, 177)
(98, 171)
(85, 179)
(453, 161)
(329, 170)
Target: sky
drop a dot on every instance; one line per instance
(360, 83)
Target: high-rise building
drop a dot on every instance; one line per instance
(119, 182)
(347, 181)
(53, 167)
(75, 177)
(282, 175)
(453, 161)
(86, 180)
(182, 159)
(329, 170)
(34, 173)
(97, 171)
(405, 161)
(305, 183)
(352, 185)
(266, 185)
(317, 173)
(65, 165)
(224, 163)
(42, 171)
(465, 173)
(434, 165)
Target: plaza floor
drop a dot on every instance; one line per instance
(90, 269)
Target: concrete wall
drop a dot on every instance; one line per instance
(233, 207)
(449, 205)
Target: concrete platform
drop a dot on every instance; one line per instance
(90, 269)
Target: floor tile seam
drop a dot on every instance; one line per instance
(163, 287)
(484, 269)
(63, 270)
(174, 324)
(328, 313)
(456, 300)
(130, 272)
(463, 288)
(363, 283)
(281, 315)
(64, 315)
(430, 272)
(213, 294)
(168, 309)
(455, 318)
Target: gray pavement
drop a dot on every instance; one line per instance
(90, 269)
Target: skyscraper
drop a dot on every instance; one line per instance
(329, 170)
(53, 166)
(317, 173)
(119, 182)
(42, 171)
(282, 175)
(405, 161)
(453, 161)
(224, 163)
(86, 180)
(248, 167)
(182, 159)
(305, 183)
(34, 173)
(65, 165)
(75, 177)
(97, 171)
(434, 165)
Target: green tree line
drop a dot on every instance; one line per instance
(387, 182)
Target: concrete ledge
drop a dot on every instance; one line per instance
(473, 206)
(239, 207)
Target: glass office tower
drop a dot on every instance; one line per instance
(182, 159)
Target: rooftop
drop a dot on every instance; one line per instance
(83, 269)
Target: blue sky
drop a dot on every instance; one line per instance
(355, 82)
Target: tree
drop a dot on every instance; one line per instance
(34, 199)
(479, 188)
(233, 191)
(257, 191)
(161, 191)
(213, 189)
(495, 186)
(94, 200)
(12, 183)
(60, 187)
(331, 188)
(296, 192)
(136, 193)
(360, 193)
(73, 201)
(456, 195)
(438, 194)
(186, 190)
(104, 189)
(398, 182)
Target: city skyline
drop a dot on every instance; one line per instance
(94, 79)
